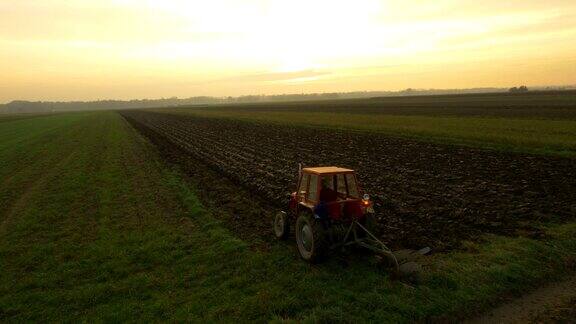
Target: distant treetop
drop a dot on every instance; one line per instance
(518, 89)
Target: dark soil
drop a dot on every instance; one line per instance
(425, 194)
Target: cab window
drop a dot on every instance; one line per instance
(352, 186)
(328, 181)
(303, 185)
(341, 185)
(313, 189)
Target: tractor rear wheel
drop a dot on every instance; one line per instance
(310, 238)
(281, 225)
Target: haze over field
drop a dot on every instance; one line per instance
(123, 49)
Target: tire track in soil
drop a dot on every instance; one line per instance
(425, 194)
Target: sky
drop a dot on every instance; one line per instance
(128, 49)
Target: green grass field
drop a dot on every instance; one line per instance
(95, 227)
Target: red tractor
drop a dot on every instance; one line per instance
(329, 210)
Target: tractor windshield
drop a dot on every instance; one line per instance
(342, 186)
(327, 191)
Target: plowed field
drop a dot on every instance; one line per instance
(425, 194)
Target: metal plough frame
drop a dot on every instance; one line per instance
(371, 242)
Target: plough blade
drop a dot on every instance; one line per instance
(407, 255)
(405, 263)
(402, 261)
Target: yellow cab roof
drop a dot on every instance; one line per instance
(327, 170)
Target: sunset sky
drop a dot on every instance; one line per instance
(125, 49)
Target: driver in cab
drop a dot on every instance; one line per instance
(327, 196)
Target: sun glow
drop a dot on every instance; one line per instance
(88, 49)
(286, 36)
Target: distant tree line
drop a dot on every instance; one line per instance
(518, 89)
(22, 106)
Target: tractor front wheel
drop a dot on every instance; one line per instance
(281, 225)
(310, 238)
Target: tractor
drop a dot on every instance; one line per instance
(329, 211)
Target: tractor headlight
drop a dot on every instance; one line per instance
(366, 200)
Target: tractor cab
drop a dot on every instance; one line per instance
(326, 203)
(330, 192)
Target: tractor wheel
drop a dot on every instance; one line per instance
(310, 238)
(281, 225)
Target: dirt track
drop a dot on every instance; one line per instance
(425, 194)
(553, 303)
